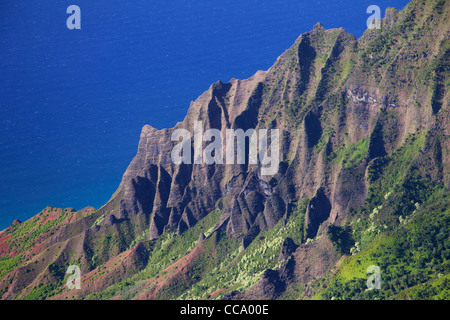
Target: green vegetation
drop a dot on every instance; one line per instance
(413, 256)
(404, 228)
(438, 289)
(350, 155)
(244, 267)
(386, 172)
(24, 236)
(341, 237)
(8, 264)
(346, 108)
(222, 264)
(41, 292)
(99, 220)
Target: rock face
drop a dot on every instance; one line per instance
(288, 247)
(339, 106)
(177, 196)
(321, 97)
(318, 211)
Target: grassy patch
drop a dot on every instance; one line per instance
(350, 155)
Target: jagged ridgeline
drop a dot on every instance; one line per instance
(363, 180)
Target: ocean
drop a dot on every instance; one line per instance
(73, 102)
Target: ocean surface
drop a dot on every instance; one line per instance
(73, 102)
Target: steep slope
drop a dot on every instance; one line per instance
(364, 154)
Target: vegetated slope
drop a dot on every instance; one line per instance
(363, 180)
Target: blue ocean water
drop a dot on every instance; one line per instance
(73, 102)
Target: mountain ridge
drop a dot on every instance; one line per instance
(359, 121)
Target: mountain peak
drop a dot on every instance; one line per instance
(364, 152)
(318, 26)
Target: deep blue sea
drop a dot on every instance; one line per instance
(73, 102)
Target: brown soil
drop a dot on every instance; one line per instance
(169, 275)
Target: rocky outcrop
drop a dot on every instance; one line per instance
(288, 247)
(322, 98)
(339, 105)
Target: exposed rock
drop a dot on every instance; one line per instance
(318, 211)
(326, 94)
(287, 249)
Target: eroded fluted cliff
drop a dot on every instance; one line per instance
(342, 106)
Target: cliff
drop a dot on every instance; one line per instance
(364, 127)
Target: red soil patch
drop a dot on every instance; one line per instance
(109, 265)
(89, 283)
(167, 276)
(216, 293)
(80, 214)
(40, 243)
(4, 246)
(51, 215)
